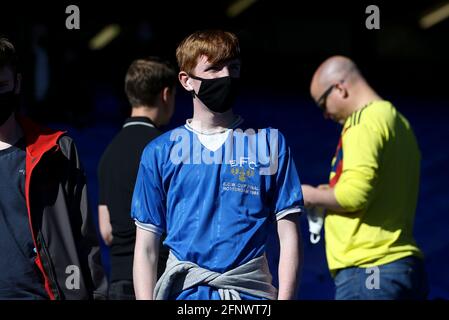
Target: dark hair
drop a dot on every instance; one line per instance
(146, 78)
(8, 56)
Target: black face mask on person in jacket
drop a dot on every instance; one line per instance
(9, 101)
(217, 94)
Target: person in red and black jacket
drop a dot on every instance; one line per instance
(47, 238)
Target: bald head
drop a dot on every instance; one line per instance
(332, 71)
(339, 88)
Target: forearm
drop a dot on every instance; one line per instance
(145, 265)
(325, 198)
(289, 259)
(288, 272)
(104, 223)
(321, 197)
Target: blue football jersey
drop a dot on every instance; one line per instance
(215, 195)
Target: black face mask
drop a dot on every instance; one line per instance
(9, 101)
(218, 94)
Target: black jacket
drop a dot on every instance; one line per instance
(68, 253)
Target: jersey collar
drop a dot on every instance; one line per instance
(233, 125)
(136, 121)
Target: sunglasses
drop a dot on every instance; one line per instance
(321, 102)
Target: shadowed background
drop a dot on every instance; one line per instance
(73, 79)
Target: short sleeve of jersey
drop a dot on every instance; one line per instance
(288, 197)
(148, 207)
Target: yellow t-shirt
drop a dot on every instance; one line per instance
(375, 176)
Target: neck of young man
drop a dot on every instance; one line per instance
(151, 112)
(10, 132)
(205, 120)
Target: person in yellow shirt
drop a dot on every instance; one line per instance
(371, 197)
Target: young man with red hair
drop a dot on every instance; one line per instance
(216, 189)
